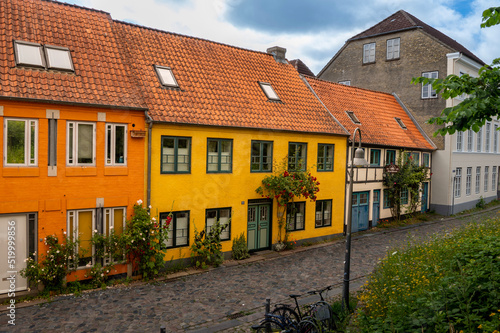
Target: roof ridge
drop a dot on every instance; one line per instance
(77, 6)
(351, 87)
(186, 36)
(408, 16)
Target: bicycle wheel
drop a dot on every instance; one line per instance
(290, 316)
(268, 325)
(308, 326)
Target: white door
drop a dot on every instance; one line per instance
(13, 251)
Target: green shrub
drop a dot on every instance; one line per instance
(240, 248)
(206, 248)
(481, 203)
(447, 284)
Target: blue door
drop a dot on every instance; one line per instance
(359, 211)
(376, 208)
(425, 194)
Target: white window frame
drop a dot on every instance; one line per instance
(494, 178)
(28, 161)
(468, 181)
(459, 140)
(369, 53)
(345, 82)
(74, 139)
(486, 178)
(110, 212)
(495, 138)
(51, 55)
(479, 141)
(470, 140)
(166, 76)
(458, 182)
(18, 51)
(269, 91)
(427, 91)
(478, 179)
(393, 48)
(487, 138)
(110, 149)
(74, 213)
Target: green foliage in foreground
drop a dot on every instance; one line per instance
(448, 284)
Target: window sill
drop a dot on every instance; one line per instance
(81, 171)
(393, 59)
(21, 172)
(116, 171)
(369, 63)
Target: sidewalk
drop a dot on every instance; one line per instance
(226, 299)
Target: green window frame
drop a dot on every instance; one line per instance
(390, 157)
(175, 154)
(219, 214)
(375, 157)
(261, 156)
(323, 217)
(404, 196)
(296, 216)
(426, 159)
(387, 199)
(326, 154)
(178, 228)
(219, 155)
(297, 156)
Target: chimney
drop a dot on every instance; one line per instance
(278, 53)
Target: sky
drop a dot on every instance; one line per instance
(311, 30)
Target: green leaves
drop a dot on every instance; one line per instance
(491, 16)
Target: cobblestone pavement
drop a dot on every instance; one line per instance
(227, 299)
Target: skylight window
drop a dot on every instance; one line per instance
(29, 54)
(269, 91)
(58, 58)
(353, 117)
(400, 122)
(166, 76)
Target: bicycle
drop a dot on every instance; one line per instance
(320, 314)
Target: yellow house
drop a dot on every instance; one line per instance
(219, 117)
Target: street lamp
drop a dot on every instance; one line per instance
(358, 160)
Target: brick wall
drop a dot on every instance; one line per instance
(419, 53)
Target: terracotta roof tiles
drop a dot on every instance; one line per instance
(376, 112)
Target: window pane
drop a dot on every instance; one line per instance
(181, 234)
(85, 143)
(32, 142)
(109, 137)
(58, 58)
(16, 141)
(120, 144)
(29, 54)
(166, 76)
(85, 234)
(118, 219)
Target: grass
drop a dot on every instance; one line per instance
(448, 284)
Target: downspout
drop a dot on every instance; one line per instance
(149, 121)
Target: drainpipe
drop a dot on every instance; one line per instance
(149, 121)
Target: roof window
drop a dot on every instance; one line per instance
(400, 122)
(269, 91)
(166, 76)
(353, 117)
(38, 55)
(29, 54)
(59, 58)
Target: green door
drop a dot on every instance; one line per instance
(259, 222)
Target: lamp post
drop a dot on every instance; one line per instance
(358, 160)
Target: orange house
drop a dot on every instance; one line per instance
(72, 134)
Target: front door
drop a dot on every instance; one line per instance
(359, 211)
(376, 207)
(13, 249)
(259, 226)
(425, 193)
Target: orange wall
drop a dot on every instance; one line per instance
(30, 189)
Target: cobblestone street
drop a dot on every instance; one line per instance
(212, 301)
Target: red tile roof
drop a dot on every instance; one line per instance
(101, 76)
(219, 84)
(402, 20)
(375, 110)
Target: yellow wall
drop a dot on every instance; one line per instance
(198, 191)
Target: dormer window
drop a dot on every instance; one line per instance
(400, 122)
(38, 55)
(59, 58)
(353, 117)
(29, 54)
(166, 76)
(269, 91)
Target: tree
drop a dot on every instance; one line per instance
(407, 179)
(483, 92)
